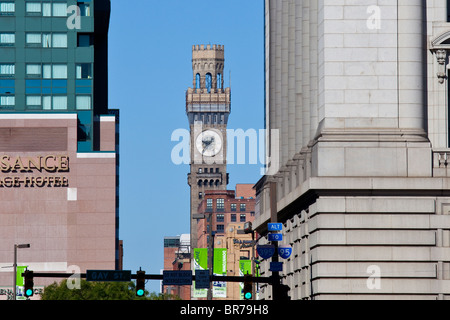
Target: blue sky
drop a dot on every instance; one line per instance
(150, 50)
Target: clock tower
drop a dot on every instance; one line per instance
(208, 105)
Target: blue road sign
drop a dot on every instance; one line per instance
(108, 275)
(265, 251)
(275, 226)
(177, 278)
(275, 237)
(202, 279)
(285, 251)
(276, 266)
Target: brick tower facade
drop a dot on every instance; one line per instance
(208, 105)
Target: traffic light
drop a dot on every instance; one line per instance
(28, 283)
(248, 287)
(140, 283)
(283, 292)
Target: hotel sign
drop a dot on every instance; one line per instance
(34, 171)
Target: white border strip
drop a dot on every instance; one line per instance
(94, 155)
(36, 266)
(44, 116)
(107, 118)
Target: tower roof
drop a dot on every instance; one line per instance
(215, 51)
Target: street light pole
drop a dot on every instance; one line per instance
(211, 257)
(20, 246)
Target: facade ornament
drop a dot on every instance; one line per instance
(441, 56)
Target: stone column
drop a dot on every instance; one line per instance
(411, 64)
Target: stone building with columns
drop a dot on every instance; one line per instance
(358, 145)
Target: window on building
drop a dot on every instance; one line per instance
(171, 242)
(7, 102)
(197, 81)
(59, 40)
(33, 70)
(7, 8)
(33, 8)
(220, 228)
(33, 39)
(46, 40)
(59, 102)
(85, 40)
(34, 102)
(219, 81)
(233, 207)
(220, 218)
(7, 70)
(245, 255)
(85, 9)
(84, 102)
(200, 195)
(7, 39)
(220, 204)
(208, 82)
(242, 218)
(47, 9)
(242, 207)
(59, 71)
(84, 71)
(60, 9)
(209, 204)
(233, 217)
(448, 10)
(47, 71)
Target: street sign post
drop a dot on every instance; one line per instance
(285, 251)
(275, 237)
(108, 275)
(177, 278)
(275, 226)
(265, 251)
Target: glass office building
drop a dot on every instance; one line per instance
(53, 58)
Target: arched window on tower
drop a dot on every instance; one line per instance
(197, 81)
(208, 82)
(219, 81)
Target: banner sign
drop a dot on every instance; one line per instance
(220, 269)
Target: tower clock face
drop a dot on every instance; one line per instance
(209, 143)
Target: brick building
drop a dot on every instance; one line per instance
(177, 256)
(226, 212)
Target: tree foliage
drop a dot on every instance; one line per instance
(98, 291)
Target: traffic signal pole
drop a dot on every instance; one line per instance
(154, 277)
(275, 258)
